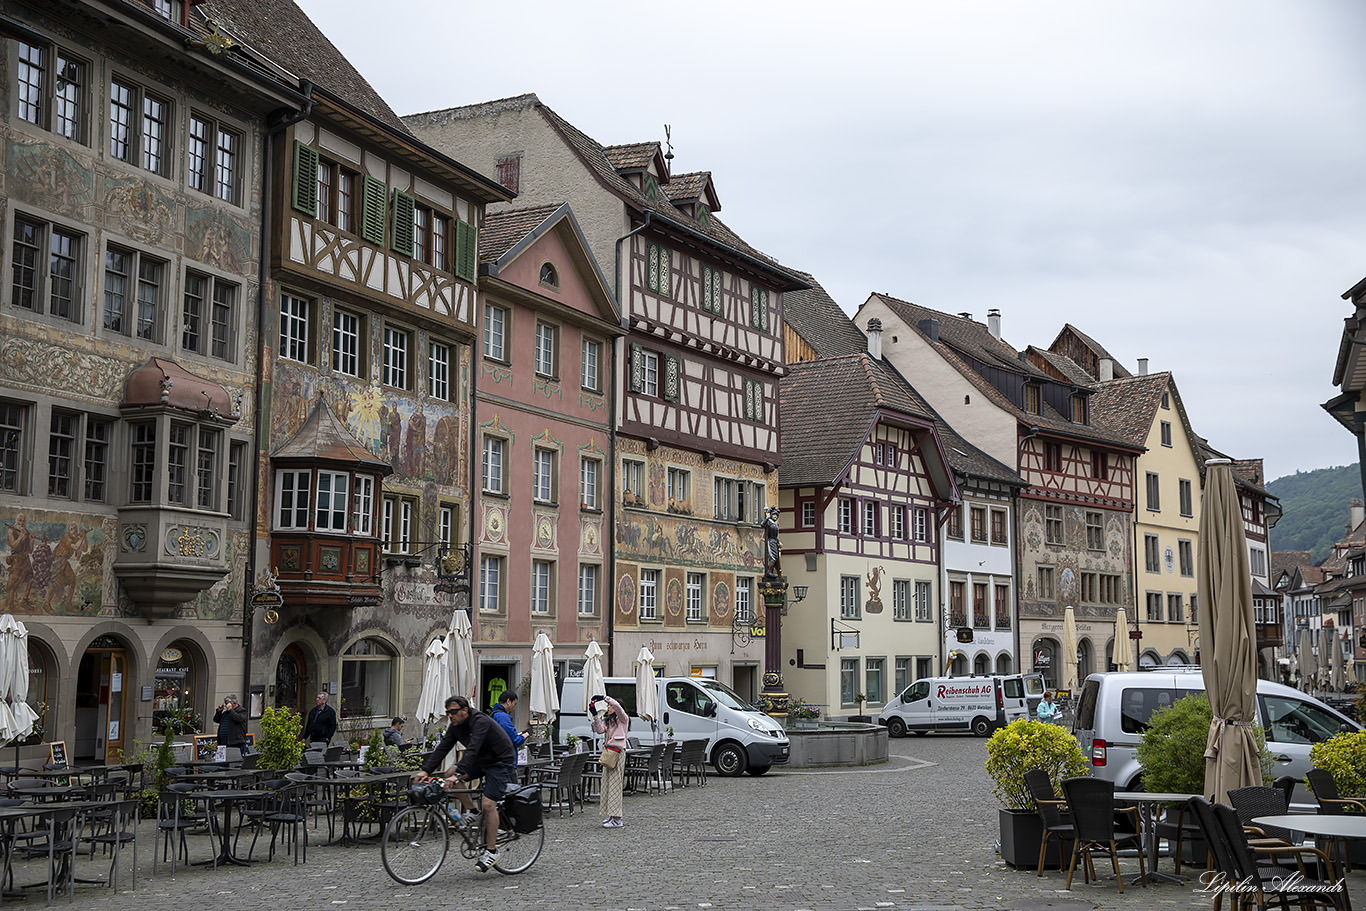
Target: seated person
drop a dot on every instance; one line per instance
(393, 735)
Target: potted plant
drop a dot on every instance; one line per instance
(573, 743)
(1344, 755)
(859, 699)
(1013, 750)
(1171, 755)
(281, 748)
(669, 733)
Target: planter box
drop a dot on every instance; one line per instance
(1021, 834)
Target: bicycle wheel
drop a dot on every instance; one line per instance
(415, 844)
(517, 852)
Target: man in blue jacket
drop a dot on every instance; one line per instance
(502, 713)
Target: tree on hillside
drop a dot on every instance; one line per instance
(1316, 508)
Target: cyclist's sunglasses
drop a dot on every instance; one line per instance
(455, 711)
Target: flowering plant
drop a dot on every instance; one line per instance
(1023, 745)
(801, 710)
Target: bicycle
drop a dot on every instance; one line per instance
(418, 837)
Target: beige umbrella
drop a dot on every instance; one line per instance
(1335, 657)
(1324, 677)
(1228, 637)
(1069, 650)
(1307, 660)
(1123, 654)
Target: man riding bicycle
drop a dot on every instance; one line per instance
(488, 754)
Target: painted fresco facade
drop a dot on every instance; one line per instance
(124, 534)
(695, 396)
(544, 440)
(372, 305)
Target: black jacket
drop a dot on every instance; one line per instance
(322, 723)
(233, 733)
(486, 744)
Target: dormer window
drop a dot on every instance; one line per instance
(1078, 409)
(549, 277)
(1031, 398)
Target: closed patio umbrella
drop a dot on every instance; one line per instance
(1307, 665)
(436, 683)
(1336, 659)
(460, 643)
(593, 683)
(545, 701)
(1228, 637)
(647, 695)
(1123, 654)
(1069, 650)
(1324, 678)
(14, 679)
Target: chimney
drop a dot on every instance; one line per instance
(1143, 366)
(994, 323)
(1107, 369)
(875, 338)
(930, 327)
(1358, 514)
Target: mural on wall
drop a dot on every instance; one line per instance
(42, 364)
(213, 238)
(57, 566)
(420, 438)
(874, 581)
(49, 177)
(138, 210)
(665, 539)
(1070, 560)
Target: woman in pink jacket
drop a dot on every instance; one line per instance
(611, 719)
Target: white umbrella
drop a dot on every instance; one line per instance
(545, 702)
(436, 681)
(19, 716)
(460, 642)
(1123, 653)
(593, 682)
(1069, 650)
(647, 696)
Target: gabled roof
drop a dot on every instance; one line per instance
(694, 187)
(280, 31)
(823, 324)
(1096, 348)
(1067, 369)
(637, 156)
(964, 342)
(324, 438)
(1288, 561)
(828, 407)
(501, 231)
(1128, 406)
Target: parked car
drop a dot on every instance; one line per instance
(740, 738)
(1114, 709)
(978, 704)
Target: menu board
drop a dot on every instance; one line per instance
(205, 746)
(56, 753)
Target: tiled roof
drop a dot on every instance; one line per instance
(1095, 346)
(822, 323)
(323, 437)
(1288, 561)
(687, 187)
(815, 316)
(500, 232)
(962, 341)
(1127, 406)
(632, 156)
(1065, 366)
(283, 33)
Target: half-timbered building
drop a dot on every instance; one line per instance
(696, 414)
(544, 436)
(366, 384)
(1073, 524)
(974, 535)
(132, 218)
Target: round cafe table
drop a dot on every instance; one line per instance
(1148, 802)
(228, 799)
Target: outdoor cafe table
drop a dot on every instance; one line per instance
(49, 793)
(9, 818)
(215, 779)
(349, 804)
(228, 799)
(1320, 826)
(1147, 811)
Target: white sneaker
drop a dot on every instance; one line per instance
(608, 824)
(486, 860)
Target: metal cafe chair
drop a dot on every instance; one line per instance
(1092, 804)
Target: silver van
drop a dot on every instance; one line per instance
(1113, 711)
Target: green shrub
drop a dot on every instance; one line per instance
(1344, 755)
(1172, 751)
(281, 748)
(1023, 745)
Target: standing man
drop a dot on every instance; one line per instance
(502, 713)
(488, 753)
(322, 722)
(231, 719)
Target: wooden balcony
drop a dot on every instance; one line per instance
(326, 571)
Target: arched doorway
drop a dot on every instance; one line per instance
(291, 680)
(42, 689)
(1149, 658)
(981, 664)
(959, 666)
(1086, 662)
(103, 678)
(1045, 654)
(178, 697)
(1003, 664)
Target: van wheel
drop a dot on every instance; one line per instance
(981, 726)
(758, 769)
(896, 727)
(729, 760)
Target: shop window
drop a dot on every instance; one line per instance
(367, 678)
(176, 702)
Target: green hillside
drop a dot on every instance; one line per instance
(1316, 505)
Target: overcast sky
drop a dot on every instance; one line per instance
(1180, 179)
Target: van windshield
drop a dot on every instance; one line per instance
(725, 695)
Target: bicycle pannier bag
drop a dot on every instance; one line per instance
(609, 758)
(523, 807)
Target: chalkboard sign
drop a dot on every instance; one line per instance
(56, 754)
(205, 746)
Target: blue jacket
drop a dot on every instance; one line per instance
(500, 715)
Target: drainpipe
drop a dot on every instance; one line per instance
(612, 434)
(273, 127)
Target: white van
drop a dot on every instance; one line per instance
(980, 704)
(740, 738)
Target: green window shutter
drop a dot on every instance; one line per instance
(753, 307)
(305, 179)
(637, 368)
(374, 203)
(466, 243)
(671, 379)
(405, 211)
(665, 281)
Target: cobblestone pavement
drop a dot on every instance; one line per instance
(918, 833)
